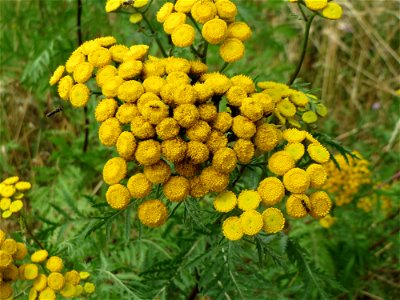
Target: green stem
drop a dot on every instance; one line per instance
(204, 55)
(224, 67)
(195, 24)
(302, 11)
(28, 230)
(156, 38)
(303, 51)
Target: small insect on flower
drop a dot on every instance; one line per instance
(305, 206)
(54, 111)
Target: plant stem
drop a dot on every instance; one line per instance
(156, 38)
(28, 230)
(204, 56)
(303, 51)
(224, 66)
(302, 11)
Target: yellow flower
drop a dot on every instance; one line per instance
(245, 82)
(225, 201)
(47, 293)
(135, 18)
(215, 31)
(203, 11)
(109, 131)
(64, 87)
(83, 72)
(224, 160)
(79, 95)
(177, 64)
(296, 150)
(54, 264)
(293, 135)
(6, 214)
(318, 153)
(204, 92)
(105, 74)
(31, 271)
(280, 162)
(316, 4)
(23, 186)
(126, 112)
(216, 140)
(267, 137)
(7, 191)
(6, 290)
(213, 180)
(235, 95)
(126, 145)
(232, 228)
(199, 131)
(106, 41)
(296, 181)
(168, 128)
(320, 204)
(251, 109)
(10, 180)
(184, 6)
(298, 205)
(148, 152)
(153, 68)
(2, 236)
(5, 259)
(176, 189)
(40, 282)
(173, 21)
(286, 108)
(153, 84)
(72, 277)
(68, 291)
(223, 122)
(318, 175)
(328, 220)
(89, 287)
(105, 109)
(309, 117)
(144, 99)
(164, 12)
(186, 169)
(332, 11)
(226, 9)
(186, 115)
(273, 220)
(118, 196)
(197, 67)
(265, 100)
(136, 52)
(58, 73)
(130, 69)
(88, 47)
(244, 150)
(299, 98)
(5, 203)
(239, 30)
(197, 152)
(183, 35)
(157, 173)
(249, 200)
(178, 79)
(152, 213)
(118, 52)
(252, 222)
(142, 128)
(112, 5)
(231, 50)
(130, 91)
(39, 256)
(271, 190)
(155, 111)
(84, 275)
(321, 110)
(55, 281)
(74, 60)
(16, 206)
(184, 94)
(139, 186)
(197, 188)
(243, 128)
(140, 3)
(208, 112)
(114, 170)
(21, 252)
(9, 246)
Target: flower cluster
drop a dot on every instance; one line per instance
(339, 184)
(377, 199)
(327, 9)
(188, 129)
(215, 20)
(136, 17)
(12, 194)
(15, 267)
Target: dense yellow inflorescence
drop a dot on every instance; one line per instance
(345, 183)
(12, 195)
(46, 274)
(327, 9)
(163, 116)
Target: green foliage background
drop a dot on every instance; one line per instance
(353, 66)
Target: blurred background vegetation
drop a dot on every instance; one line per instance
(352, 65)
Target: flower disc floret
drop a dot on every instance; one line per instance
(177, 188)
(174, 150)
(271, 190)
(55, 281)
(168, 128)
(216, 140)
(214, 180)
(299, 98)
(173, 21)
(318, 175)
(223, 122)
(218, 82)
(105, 109)
(186, 115)
(79, 95)
(73, 61)
(224, 160)
(204, 92)
(142, 128)
(298, 205)
(252, 222)
(225, 201)
(130, 69)
(114, 170)
(186, 169)
(54, 264)
(226, 9)
(39, 256)
(232, 228)
(139, 186)
(320, 204)
(111, 86)
(293, 135)
(40, 282)
(100, 57)
(245, 82)
(130, 91)
(280, 162)
(243, 127)
(155, 111)
(152, 213)
(197, 152)
(109, 131)
(126, 112)
(215, 31)
(296, 150)
(249, 200)
(64, 87)
(104, 74)
(157, 173)
(83, 72)
(203, 11)
(57, 74)
(118, 196)
(164, 12)
(274, 220)
(296, 180)
(208, 112)
(235, 95)
(183, 35)
(184, 94)
(286, 108)
(239, 30)
(231, 50)
(267, 137)
(318, 153)
(316, 4)
(251, 109)
(332, 11)
(148, 152)
(199, 131)
(153, 84)
(244, 150)
(118, 52)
